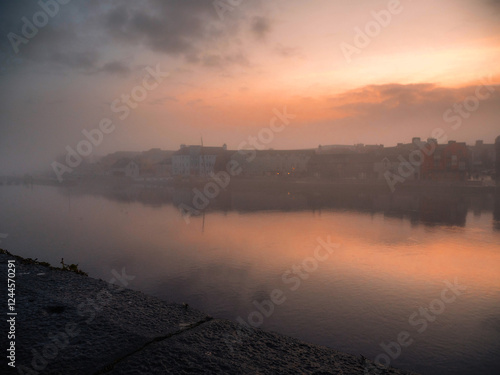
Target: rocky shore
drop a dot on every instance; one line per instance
(64, 322)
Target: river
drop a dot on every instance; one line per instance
(418, 274)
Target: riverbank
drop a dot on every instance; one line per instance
(68, 323)
(262, 184)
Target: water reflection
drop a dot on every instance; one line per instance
(427, 208)
(496, 212)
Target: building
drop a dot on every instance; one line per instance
(164, 167)
(403, 157)
(483, 159)
(273, 162)
(125, 167)
(345, 149)
(449, 162)
(389, 164)
(148, 162)
(196, 160)
(342, 166)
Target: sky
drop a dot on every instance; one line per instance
(365, 71)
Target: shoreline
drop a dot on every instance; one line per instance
(67, 322)
(243, 183)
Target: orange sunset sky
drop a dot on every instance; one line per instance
(227, 72)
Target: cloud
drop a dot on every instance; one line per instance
(493, 3)
(377, 98)
(194, 102)
(81, 60)
(58, 43)
(163, 100)
(287, 52)
(92, 37)
(115, 67)
(83, 34)
(260, 27)
(222, 61)
(174, 27)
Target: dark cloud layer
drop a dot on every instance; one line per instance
(81, 33)
(115, 67)
(172, 27)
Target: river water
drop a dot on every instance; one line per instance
(422, 269)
